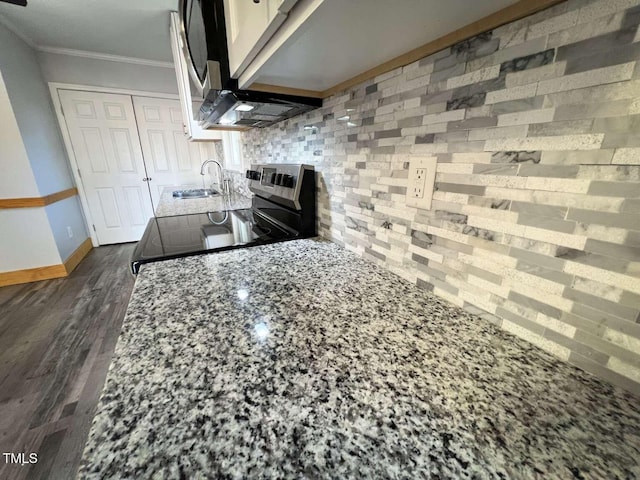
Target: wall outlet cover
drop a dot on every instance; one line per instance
(422, 177)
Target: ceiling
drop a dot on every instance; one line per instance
(129, 28)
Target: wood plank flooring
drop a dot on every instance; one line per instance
(57, 338)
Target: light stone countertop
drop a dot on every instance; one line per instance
(300, 360)
(170, 206)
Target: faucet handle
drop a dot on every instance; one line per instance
(226, 185)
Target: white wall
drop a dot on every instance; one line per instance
(16, 177)
(105, 73)
(26, 240)
(33, 111)
(61, 215)
(32, 237)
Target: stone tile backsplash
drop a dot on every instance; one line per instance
(535, 223)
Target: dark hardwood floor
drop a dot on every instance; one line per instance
(57, 338)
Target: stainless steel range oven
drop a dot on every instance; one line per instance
(283, 208)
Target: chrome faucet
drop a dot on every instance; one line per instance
(222, 184)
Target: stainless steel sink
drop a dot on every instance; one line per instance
(196, 193)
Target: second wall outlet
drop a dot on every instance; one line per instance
(422, 176)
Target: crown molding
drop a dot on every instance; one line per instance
(16, 31)
(104, 56)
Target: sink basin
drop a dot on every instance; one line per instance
(196, 193)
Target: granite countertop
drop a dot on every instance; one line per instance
(301, 360)
(170, 206)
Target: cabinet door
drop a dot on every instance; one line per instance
(190, 127)
(249, 26)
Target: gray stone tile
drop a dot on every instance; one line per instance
(621, 124)
(549, 211)
(567, 127)
(424, 285)
(546, 261)
(383, 150)
(421, 239)
(484, 274)
(451, 217)
(630, 299)
(631, 206)
(551, 171)
(521, 105)
(546, 273)
(450, 61)
(621, 54)
(375, 254)
(528, 61)
(601, 44)
(466, 147)
(437, 97)
(496, 169)
(535, 305)
(631, 17)
(471, 123)
(451, 137)
(605, 218)
(578, 157)
(547, 223)
(602, 372)
(454, 246)
(397, 189)
(583, 110)
(410, 122)
(420, 259)
(435, 56)
(371, 89)
(613, 250)
(633, 239)
(469, 101)
(477, 46)
(614, 189)
(454, 71)
(428, 138)
(611, 349)
(595, 260)
(518, 320)
(494, 203)
(516, 157)
(577, 347)
(415, 93)
(607, 307)
(441, 284)
(594, 328)
(607, 320)
(621, 140)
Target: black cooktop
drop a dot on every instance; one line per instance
(184, 235)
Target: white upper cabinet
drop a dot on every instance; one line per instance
(191, 127)
(250, 24)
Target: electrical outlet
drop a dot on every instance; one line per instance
(69, 232)
(418, 177)
(422, 175)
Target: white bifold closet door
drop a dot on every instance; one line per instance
(104, 136)
(128, 149)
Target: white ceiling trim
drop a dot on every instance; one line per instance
(104, 56)
(10, 26)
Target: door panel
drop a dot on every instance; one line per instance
(171, 159)
(104, 136)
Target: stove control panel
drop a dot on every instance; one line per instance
(278, 182)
